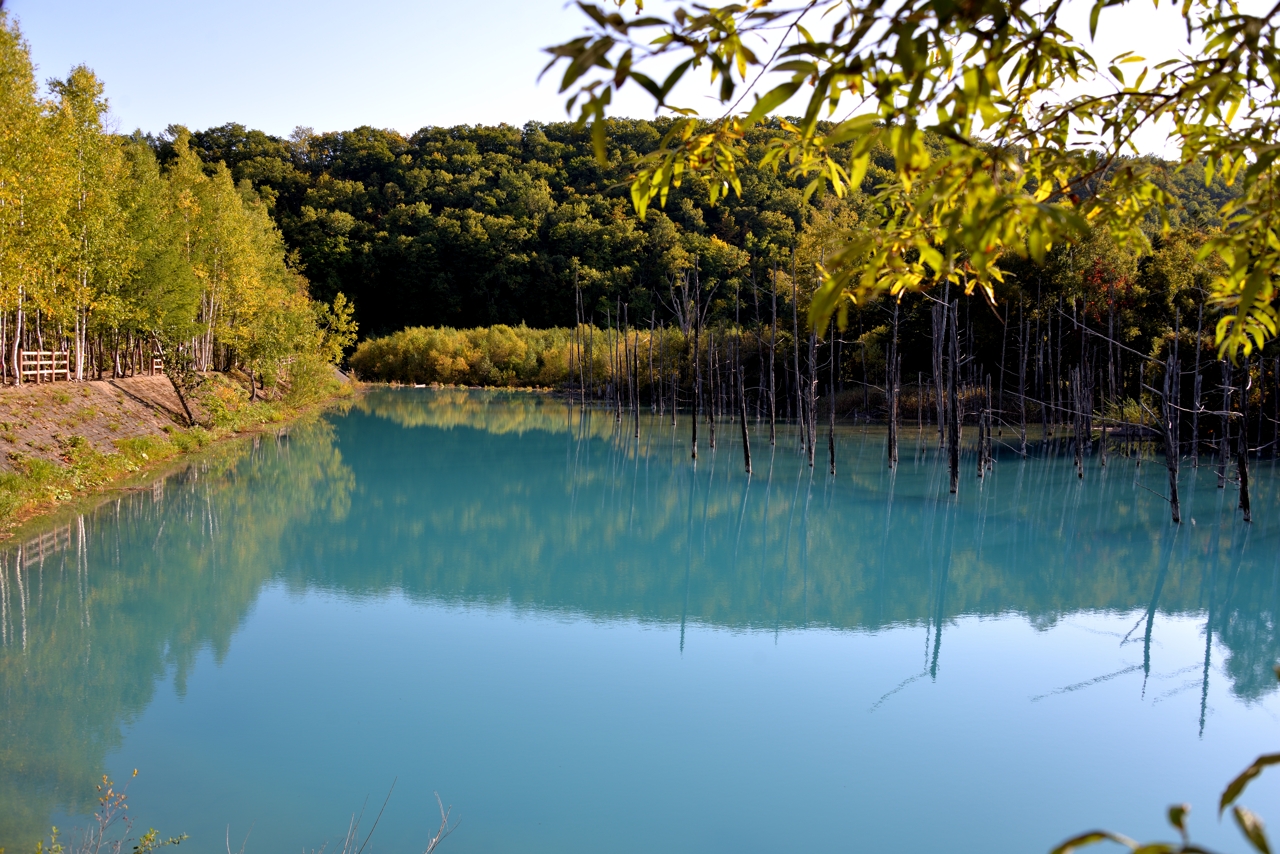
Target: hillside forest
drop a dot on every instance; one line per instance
(512, 256)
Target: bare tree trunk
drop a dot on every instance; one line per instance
(831, 393)
(953, 402)
(990, 421)
(773, 348)
(742, 418)
(941, 311)
(1077, 427)
(795, 336)
(891, 389)
(697, 364)
(1195, 395)
(1242, 446)
(172, 371)
(1170, 419)
(635, 381)
(812, 420)
(17, 342)
(712, 377)
(1225, 422)
(653, 398)
(1025, 332)
(982, 432)
(920, 406)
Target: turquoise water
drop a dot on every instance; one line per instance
(585, 643)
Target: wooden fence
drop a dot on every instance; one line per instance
(44, 365)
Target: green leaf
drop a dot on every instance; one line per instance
(1251, 826)
(771, 100)
(1237, 786)
(1091, 838)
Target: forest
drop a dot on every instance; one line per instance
(514, 257)
(508, 256)
(119, 260)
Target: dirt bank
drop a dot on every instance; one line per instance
(37, 420)
(62, 441)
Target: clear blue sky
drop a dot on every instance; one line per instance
(403, 64)
(277, 64)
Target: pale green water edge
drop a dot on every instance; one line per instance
(585, 643)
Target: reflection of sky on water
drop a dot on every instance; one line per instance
(577, 637)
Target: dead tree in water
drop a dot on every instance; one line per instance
(1225, 425)
(953, 401)
(711, 380)
(697, 363)
(1024, 332)
(812, 402)
(635, 376)
(920, 406)
(982, 433)
(1242, 448)
(991, 415)
(831, 393)
(577, 338)
(940, 312)
(1195, 396)
(742, 414)
(795, 341)
(1169, 423)
(653, 399)
(891, 389)
(773, 348)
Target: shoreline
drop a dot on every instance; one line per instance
(79, 465)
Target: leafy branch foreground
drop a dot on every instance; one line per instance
(1249, 823)
(1027, 163)
(110, 832)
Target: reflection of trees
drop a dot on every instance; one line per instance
(131, 593)
(496, 412)
(520, 502)
(484, 517)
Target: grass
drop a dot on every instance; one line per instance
(35, 484)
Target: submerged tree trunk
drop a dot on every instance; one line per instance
(1225, 425)
(1170, 419)
(812, 396)
(940, 317)
(1195, 395)
(953, 402)
(773, 348)
(1242, 446)
(891, 389)
(795, 340)
(742, 417)
(697, 365)
(831, 393)
(1024, 332)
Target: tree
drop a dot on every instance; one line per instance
(987, 155)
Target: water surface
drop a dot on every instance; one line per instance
(584, 642)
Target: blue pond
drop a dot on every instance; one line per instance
(586, 643)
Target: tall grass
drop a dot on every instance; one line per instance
(508, 356)
(521, 357)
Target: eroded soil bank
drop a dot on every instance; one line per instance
(38, 420)
(63, 441)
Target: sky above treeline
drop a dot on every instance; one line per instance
(403, 64)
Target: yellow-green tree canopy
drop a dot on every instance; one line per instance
(1023, 166)
(103, 250)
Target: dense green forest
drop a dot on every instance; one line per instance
(472, 226)
(116, 258)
